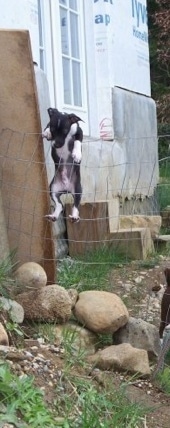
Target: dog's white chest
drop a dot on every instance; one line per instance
(63, 152)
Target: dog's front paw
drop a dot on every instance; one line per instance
(74, 219)
(51, 217)
(76, 155)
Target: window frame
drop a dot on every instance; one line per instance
(57, 56)
(54, 72)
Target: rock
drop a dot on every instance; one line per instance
(14, 309)
(122, 357)
(3, 336)
(30, 276)
(11, 353)
(136, 221)
(156, 287)
(100, 311)
(140, 334)
(73, 296)
(81, 340)
(51, 303)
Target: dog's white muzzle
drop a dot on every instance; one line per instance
(47, 134)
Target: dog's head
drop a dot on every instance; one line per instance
(60, 124)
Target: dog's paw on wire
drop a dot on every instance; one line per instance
(50, 217)
(74, 219)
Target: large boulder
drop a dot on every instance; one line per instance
(139, 334)
(122, 357)
(29, 276)
(100, 311)
(51, 303)
(3, 336)
(14, 310)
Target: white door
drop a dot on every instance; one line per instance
(63, 46)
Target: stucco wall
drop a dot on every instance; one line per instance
(128, 165)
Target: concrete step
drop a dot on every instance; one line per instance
(161, 242)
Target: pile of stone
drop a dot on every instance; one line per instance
(86, 316)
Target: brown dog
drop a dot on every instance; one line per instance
(165, 304)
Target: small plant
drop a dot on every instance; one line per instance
(150, 262)
(6, 267)
(163, 379)
(13, 327)
(163, 193)
(19, 397)
(74, 353)
(90, 407)
(46, 331)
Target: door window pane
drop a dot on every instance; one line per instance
(64, 2)
(77, 83)
(67, 81)
(64, 31)
(74, 35)
(73, 4)
(71, 52)
(41, 36)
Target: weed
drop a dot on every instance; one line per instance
(6, 281)
(74, 352)
(45, 331)
(163, 379)
(163, 188)
(150, 262)
(13, 327)
(19, 397)
(96, 408)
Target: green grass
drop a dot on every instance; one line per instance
(89, 272)
(163, 189)
(6, 268)
(163, 379)
(91, 407)
(20, 400)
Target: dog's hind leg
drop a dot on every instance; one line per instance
(55, 194)
(77, 198)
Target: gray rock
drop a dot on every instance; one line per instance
(14, 309)
(140, 334)
(122, 357)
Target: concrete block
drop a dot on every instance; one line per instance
(136, 243)
(162, 242)
(137, 221)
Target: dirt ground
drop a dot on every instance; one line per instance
(138, 285)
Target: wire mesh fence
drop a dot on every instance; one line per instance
(110, 222)
(26, 197)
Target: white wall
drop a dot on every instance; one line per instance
(23, 15)
(122, 54)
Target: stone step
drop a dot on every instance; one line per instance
(136, 243)
(161, 241)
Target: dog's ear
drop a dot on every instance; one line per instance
(74, 118)
(52, 111)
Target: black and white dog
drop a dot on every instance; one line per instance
(66, 136)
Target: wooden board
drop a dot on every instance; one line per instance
(23, 178)
(91, 232)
